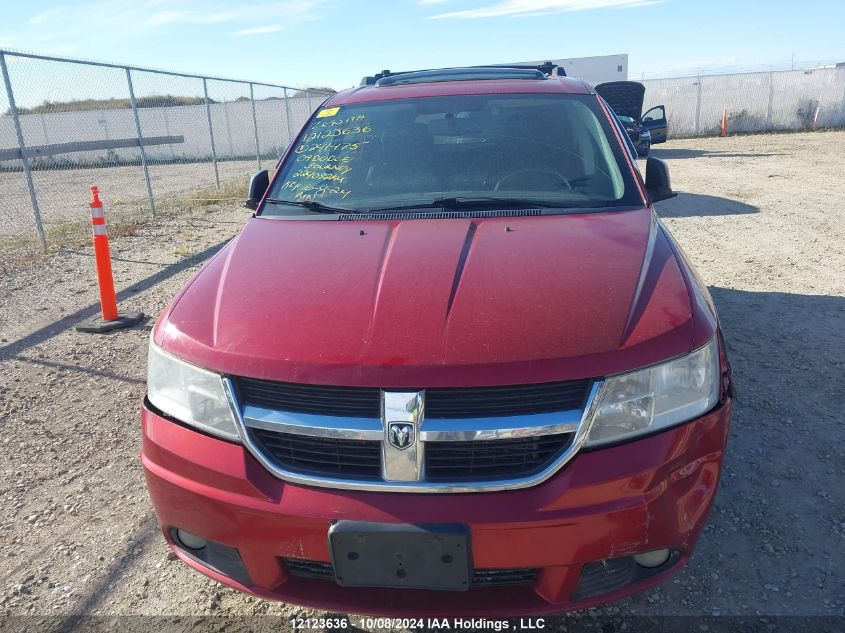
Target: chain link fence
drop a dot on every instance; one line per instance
(156, 141)
(784, 100)
(152, 140)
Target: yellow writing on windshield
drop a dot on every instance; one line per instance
(326, 154)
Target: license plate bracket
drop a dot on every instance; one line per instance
(424, 556)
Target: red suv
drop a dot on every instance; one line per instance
(454, 364)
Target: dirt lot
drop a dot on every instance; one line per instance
(761, 217)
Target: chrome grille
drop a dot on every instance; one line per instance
(518, 457)
(503, 577)
(445, 403)
(485, 402)
(355, 402)
(309, 568)
(321, 455)
(432, 440)
(480, 577)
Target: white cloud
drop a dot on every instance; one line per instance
(163, 18)
(260, 30)
(67, 27)
(540, 7)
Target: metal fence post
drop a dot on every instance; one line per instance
(44, 130)
(843, 101)
(140, 142)
(255, 126)
(698, 107)
(771, 100)
(287, 117)
(225, 105)
(210, 131)
(169, 133)
(36, 212)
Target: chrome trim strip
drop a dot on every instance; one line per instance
(434, 430)
(509, 427)
(313, 425)
(418, 486)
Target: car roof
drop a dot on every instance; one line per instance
(546, 85)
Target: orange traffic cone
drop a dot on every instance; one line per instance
(110, 318)
(725, 122)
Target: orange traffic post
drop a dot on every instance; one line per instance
(110, 318)
(725, 122)
(105, 279)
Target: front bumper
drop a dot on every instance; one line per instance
(643, 495)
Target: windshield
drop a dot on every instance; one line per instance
(549, 150)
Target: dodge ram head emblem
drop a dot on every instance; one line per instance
(402, 415)
(400, 435)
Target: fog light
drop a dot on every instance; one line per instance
(191, 541)
(652, 559)
(611, 574)
(223, 559)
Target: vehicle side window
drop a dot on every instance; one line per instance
(629, 145)
(657, 114)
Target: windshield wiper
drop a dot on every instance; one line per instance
(311, 205)
(462, 202)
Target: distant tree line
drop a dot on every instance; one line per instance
(152, 101)
(304, 91)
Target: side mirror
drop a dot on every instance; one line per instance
(257, 188)
(657, 183)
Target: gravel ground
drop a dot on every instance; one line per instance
(760, 217)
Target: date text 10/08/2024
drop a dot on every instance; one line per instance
(395, 624)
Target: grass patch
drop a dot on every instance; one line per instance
(124, 217)
(232, 190)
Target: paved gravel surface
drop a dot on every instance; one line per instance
(761, 217)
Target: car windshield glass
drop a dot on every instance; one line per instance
(626, 119)
(549, 150)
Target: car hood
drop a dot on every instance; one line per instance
(436, 302)
(625, 97)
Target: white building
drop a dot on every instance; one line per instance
(593, 70)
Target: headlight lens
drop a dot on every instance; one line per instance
(190, 394)
(658, 397)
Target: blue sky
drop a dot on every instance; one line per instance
(335, 42)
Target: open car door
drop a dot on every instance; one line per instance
(655, 122)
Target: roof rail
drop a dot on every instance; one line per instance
(465, 73)
(547, 68)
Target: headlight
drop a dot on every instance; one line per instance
(190, 394)
(656, 398)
